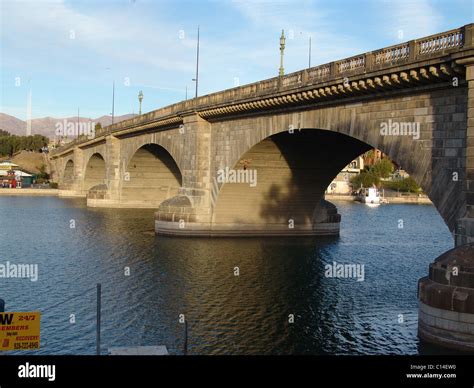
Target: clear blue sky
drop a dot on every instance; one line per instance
(141, 41)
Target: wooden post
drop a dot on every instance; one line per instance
(99, 297)
(185, 351)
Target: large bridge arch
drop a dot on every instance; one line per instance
(151, 175)
(94, 171)
(290, 175)
(432, 160)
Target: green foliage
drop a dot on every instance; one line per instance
(365, 179)
(382, 169)
(371, 175)
(4, 133)
(53, 185)
(404, 185)
(42, 176)
(10, 144)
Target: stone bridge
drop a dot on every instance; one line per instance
(292, 135)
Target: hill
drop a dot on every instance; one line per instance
(47, 125)
(29, 161)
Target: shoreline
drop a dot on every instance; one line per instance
(55, 192)
(391, 200)
(29, 192)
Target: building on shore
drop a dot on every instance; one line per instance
(7, 165)
(11, 176)
(341, 184)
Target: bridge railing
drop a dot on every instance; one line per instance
(441, 42)
(408, 52)
(392, 55)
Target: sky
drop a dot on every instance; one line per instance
(69, 53)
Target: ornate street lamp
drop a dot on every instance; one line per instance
(140, 99)
(282, 51)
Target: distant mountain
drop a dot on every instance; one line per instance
(12, 124)
(47, 125)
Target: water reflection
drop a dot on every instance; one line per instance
(227, 314)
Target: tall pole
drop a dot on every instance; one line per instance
(140, 99)
(197, 64)
(2, 306)
(186, 92)
(99, 297)
(78, 122)
(282, 52)
(28, 114)
(309, 64)
(113, 100)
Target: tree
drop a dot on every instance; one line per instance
(11, 144)
(382, 168)
(404, 185)
(409, 184)
(365, 179)
(42, 175)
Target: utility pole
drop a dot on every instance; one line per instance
(309, 64)
(282, 52)
(78, 126)
(197, 64)
(113, 100)
(28, 113)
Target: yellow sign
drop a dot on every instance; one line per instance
(20, 330)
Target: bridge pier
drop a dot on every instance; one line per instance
(446, 295)
(107, 192)
(177, 217)
(446, 311)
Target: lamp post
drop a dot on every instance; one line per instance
(140, 99)
(282, 52)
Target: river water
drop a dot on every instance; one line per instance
(148, 281)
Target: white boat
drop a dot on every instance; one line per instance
(368, 195)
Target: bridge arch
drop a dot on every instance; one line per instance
(291, 172)
(164, 139)
(150, 177)
(68, 172)
(95, 171)
(423, 158)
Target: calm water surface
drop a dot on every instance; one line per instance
(227, 314)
